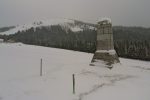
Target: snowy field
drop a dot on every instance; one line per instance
(20, 76)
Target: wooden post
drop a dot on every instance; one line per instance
(41, 68)
(73, 77)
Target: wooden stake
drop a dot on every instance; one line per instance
(73, 77)
(41, 68)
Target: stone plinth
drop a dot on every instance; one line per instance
(109, 57)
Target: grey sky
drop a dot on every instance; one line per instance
(122, 12)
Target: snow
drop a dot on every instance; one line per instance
(105, 19)
(76, 29)
(1, 40)
(65, 23)
(20, 75)
(111, 52)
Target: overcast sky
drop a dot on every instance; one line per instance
(122, 12)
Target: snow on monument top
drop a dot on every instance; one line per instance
(104, 19)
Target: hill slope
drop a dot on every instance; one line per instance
(20, 79)
(129, 42)
(66, 24)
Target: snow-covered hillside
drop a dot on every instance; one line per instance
(65, 23)
(20, 76)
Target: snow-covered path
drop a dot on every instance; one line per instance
(20, 76)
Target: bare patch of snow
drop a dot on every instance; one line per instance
(76, 29)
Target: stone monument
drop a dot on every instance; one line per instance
(105, 45)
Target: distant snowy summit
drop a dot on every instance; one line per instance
(66, 24)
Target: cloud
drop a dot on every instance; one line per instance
(122, 12)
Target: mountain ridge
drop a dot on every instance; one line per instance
(66, 24)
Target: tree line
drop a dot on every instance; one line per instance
(129, 42)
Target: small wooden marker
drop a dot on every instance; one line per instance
(41, 68)
(73, 77)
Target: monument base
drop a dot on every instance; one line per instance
(108, 56)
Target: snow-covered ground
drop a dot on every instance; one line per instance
(20, 76)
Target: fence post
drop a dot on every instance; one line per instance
(73, 77)
(41, 68)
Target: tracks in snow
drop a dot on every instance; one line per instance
(143, 68)
(111, 79)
